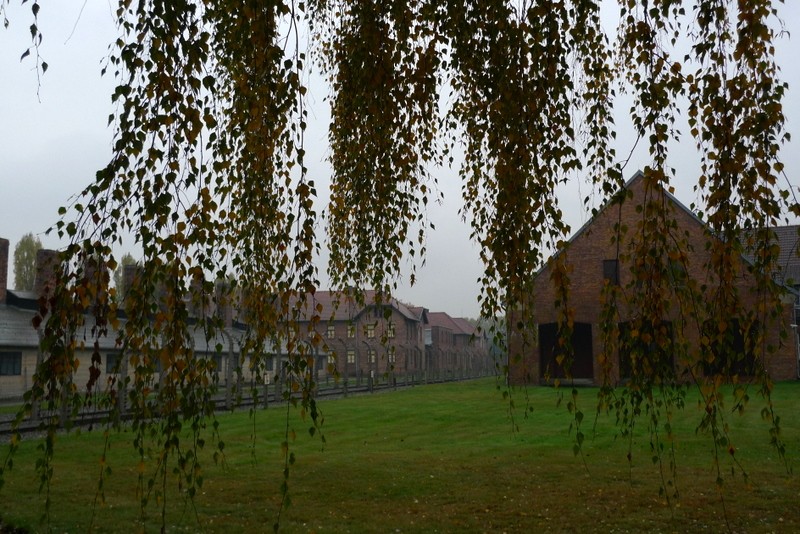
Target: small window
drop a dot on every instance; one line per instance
(371, 356)
(10, 363)
(218, 362)
(351, 331)
(111, 364)
(371, 330)
(392, 356)
(331, 333)
(646, 351)
(611, 271)
(351, 356)
(734, 350)
(390, 330)
(677, 273)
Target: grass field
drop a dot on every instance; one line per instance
(439, 458)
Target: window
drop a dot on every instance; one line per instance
(331, 331)
(733, 351)
(351, 331)
(351, 356)
(611, 272)
(217, 363)
(371, 356)
(677, 272)
(646, 350)
(10, 363)
(390, 330)
(371, 330)
(556, 360)
(392, 356)
(111, 363)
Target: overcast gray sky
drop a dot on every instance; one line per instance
(52, 144)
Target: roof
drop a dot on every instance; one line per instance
(420, 312)
(16, 328)
(638, 176)
(441, 320)
(465, 326)
(788, 238)
(343, 306)
(787, 265)
(17, 331)
(458, 325)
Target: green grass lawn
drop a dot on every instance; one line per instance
(439, 458)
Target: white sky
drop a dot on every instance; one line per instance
(52, 144)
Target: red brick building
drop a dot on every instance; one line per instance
(373, 338)
(599, 256)
(453, 344)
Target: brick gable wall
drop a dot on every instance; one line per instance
(584, 259)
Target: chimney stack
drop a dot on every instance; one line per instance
(129, 274)
(46, 271)
(224, 298)
(95, 272)
(199, 303)
(3, 269)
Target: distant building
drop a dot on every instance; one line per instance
(455, 345)
(376, 338)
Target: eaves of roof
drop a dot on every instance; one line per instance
(787, 236)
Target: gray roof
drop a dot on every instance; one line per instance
(787, 267)
(788, 261)
(17, 331)
(16, 327)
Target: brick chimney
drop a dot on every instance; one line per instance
(46, 271)
(224, 298)
(129, 275)
(199, 303)
(93, 269)
(3, 269)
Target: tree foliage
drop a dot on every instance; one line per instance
(209, 173)
(25, 261)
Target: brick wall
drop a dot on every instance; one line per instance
(46, 265)
(584, 260)
(401, 352)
